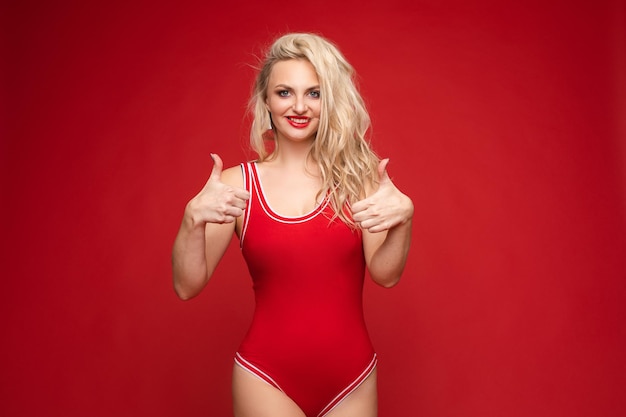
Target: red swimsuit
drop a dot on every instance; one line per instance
(308, 336)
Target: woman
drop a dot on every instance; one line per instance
(310, 215)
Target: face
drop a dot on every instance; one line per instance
(293, 99)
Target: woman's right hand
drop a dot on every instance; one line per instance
(207, 229)
(217, 202)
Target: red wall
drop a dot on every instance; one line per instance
(504, 122)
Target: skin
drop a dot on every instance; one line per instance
(290, 182)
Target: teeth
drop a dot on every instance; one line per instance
(298, 120)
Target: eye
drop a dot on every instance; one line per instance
(315, 94)
(283, 93)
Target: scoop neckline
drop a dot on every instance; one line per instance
(273, 213)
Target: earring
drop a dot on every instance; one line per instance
(269, 133)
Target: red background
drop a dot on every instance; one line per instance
(503, 121)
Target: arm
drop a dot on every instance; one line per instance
(386, 218)
(206, 230)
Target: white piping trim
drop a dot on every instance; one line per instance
(247, 366)
(272, 214)
(246, 217)
(350, 388)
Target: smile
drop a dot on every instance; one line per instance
(298, 122)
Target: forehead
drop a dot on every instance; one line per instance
(293, 72)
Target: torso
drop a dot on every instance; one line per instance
(308, 331)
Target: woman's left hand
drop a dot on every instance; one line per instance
(385, 208)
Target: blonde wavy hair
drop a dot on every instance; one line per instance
(341, 149)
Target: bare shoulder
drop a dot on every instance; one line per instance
(233, 176)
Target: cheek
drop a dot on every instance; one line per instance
(317, 108)
(277, 106)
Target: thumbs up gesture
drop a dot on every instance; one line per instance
(218, 202)
(385, 208)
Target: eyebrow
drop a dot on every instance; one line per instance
(286, 87)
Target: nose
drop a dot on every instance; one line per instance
(299, 105)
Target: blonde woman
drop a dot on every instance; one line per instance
(310, 215)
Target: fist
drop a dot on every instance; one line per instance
(384, 209)
(217, 202)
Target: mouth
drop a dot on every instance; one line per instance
(298, 122)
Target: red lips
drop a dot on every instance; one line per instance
(299, 122)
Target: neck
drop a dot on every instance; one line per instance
(294, 155)
(290, 150)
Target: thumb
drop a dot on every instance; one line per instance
(218, 165)
(382, 170)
